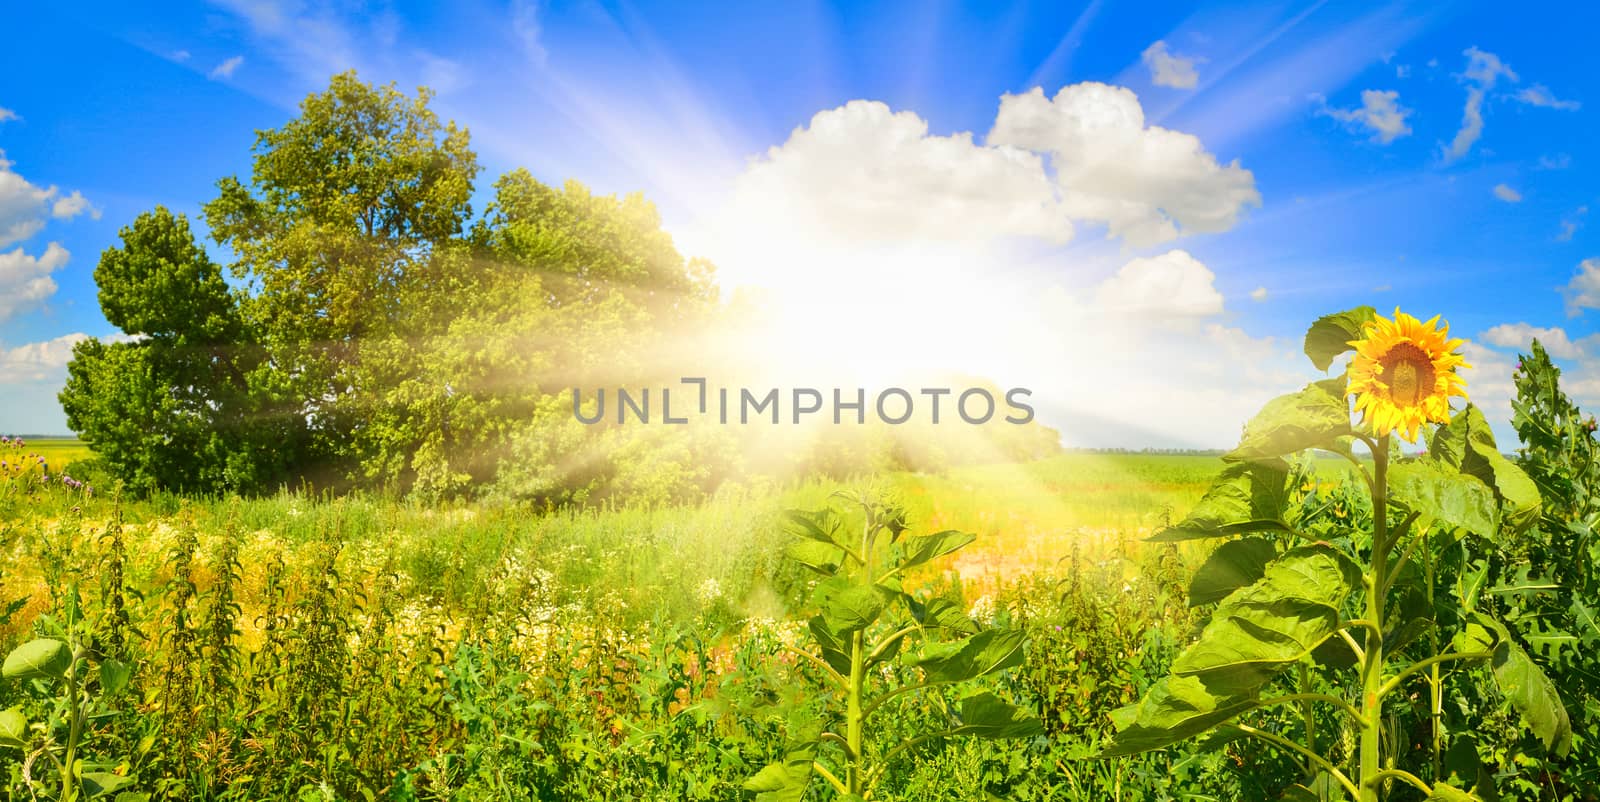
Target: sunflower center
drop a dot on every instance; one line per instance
(1408, 370)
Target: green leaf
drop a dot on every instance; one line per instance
(1275, 621)
(783, 782)
(114, 676)
(1232, 566)
(846, 605)
(1463, 768)
(819, 526)
(833, 647)
(969, 658)
(824, 558)
(1456, 500)
(45, 657)
(1315, 417)
(1324, 788)
(99, 783)
(1467, 445)
(943, 616)
(13, 728)
(988, 716)
(1445, 792)
(1175, 709)
(1522, 683)
(925, 548)
(1330, 336)
(1246, 497)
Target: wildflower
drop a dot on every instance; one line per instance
(1404, 374)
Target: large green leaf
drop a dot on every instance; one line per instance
(786, 781)
(821, 526)
(988, 716)
(846, 605)
(1322, 788)
(13, 728)
(1455, 500)
(1174, 709)
(100, 783)
(1274, 621)
(1246, 497)
(924, 548)
(824, 558)
(1522, 682)
(1467, 445)
(1330, 336)
(834, 648)
(1233, 565)
(971, 657)
(44, 657)
(1445, 792)
(943, 616)
(1315, 417)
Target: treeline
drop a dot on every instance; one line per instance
(379, 333)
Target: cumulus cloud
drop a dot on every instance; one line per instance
(25, 279)
(1541, 96)
(40, 361)
(1172, 285)
(949, 253)
(1583, 291)
(25, 207)
(1484, 70)
(1148, 184)
(1380, 112)
(1170, 69)
(226, 69)
(1507, 194)
(1258, 294)
(70, 206)
(1560, 161)
(1521, 335)
(862, 172)
(7, 114)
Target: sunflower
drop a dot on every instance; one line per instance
(1404, 374)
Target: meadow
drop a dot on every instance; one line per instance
(365, 648)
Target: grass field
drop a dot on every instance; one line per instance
(407, 651)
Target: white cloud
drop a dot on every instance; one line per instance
(529, 30)
(226, 69)
(1507, 194)
(40, 361)
(1483, 71)
(1571, 223)
(861, 172)
(25, 279)
(180, 55)
(1541, 96)
(1560, 161)
(1172, 285)
(1402, 71)
(1170, 69)
(26, 207)
(7, 114)
(1258, 294)
(1380, 112)
(1147, 184)
(1521, 335)
(1583, 291)
(70, 206)
(1490, 385)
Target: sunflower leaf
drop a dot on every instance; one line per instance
(1330, 336)
(1315, 417)
(1246, 497)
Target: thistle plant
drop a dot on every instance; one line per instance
(867, 622)
(1343, 619)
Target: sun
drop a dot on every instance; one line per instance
(1404, 374)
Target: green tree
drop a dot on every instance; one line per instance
(173, 406)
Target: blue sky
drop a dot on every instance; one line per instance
(1464, 192)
